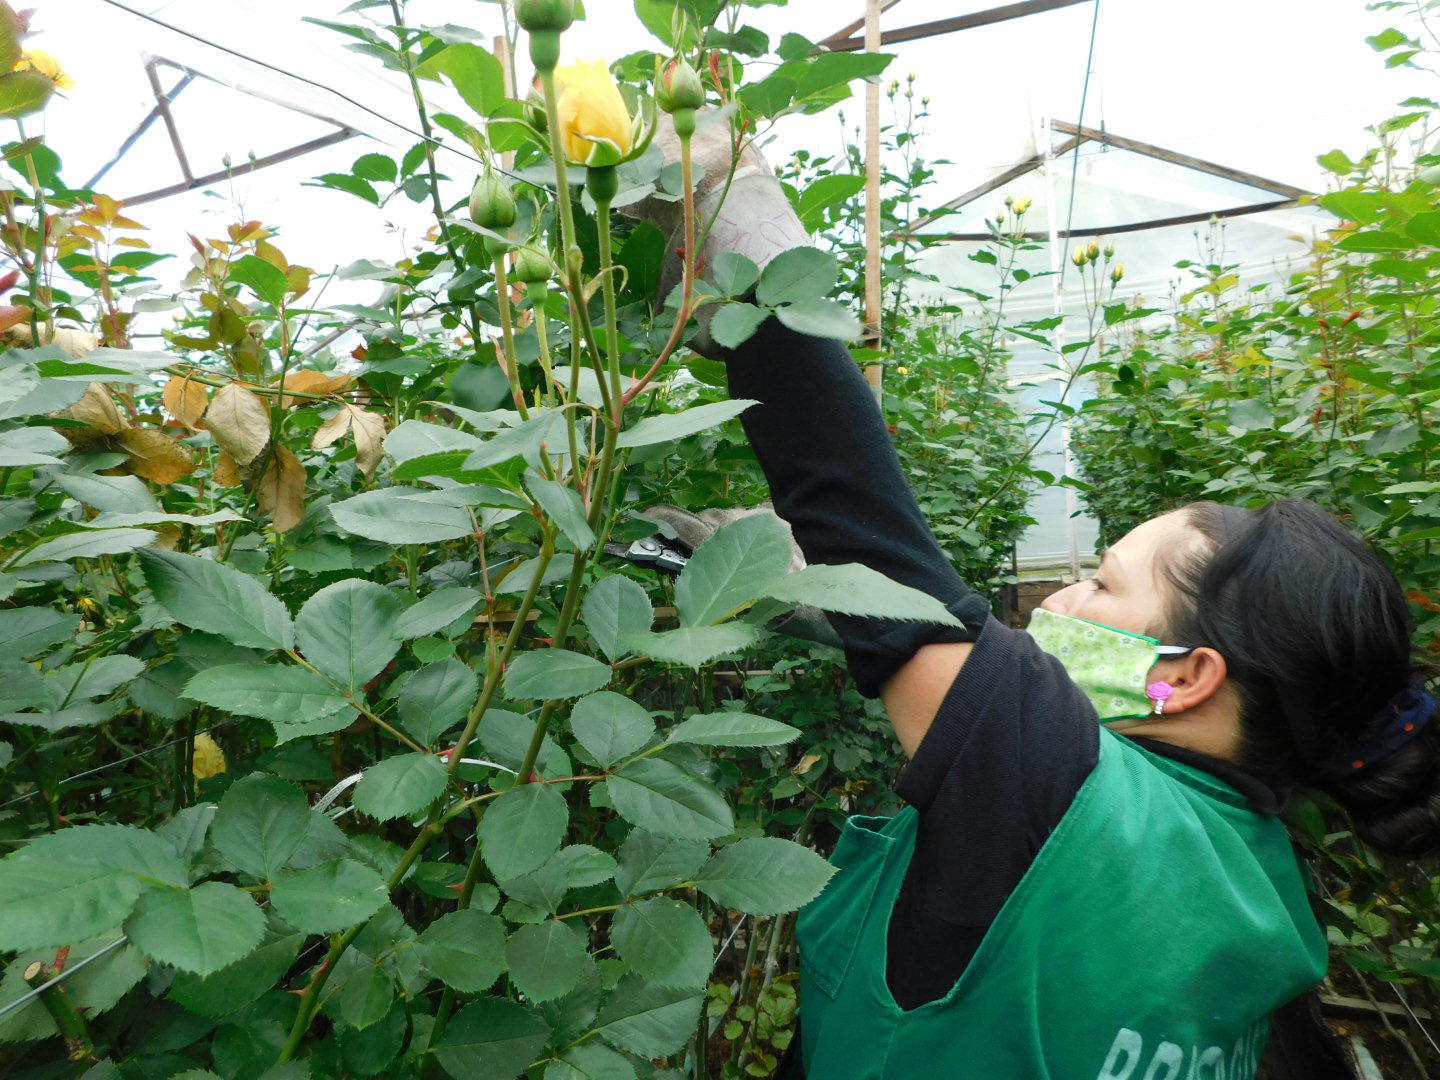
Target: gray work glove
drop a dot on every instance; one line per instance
(692, 530)
(751, 218)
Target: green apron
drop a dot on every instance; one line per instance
(1158, 927)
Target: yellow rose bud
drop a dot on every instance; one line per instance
(1109, 251)
(1022, 204)
(1078, 256)
(208, 759)
(595, 126)
(1117, 273)
(902, 371)
(47, 65)
(1093, 251)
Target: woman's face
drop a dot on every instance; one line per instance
(1128, 592)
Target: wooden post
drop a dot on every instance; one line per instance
(874, 373)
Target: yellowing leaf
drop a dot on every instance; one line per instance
(96, 410)
(369, 431)
(281, 493)
(226, 473)
(167, 537)
(154, 455)
(332, 430)
(311, 382)
(185, 400)
(240, 424)
(298, 279)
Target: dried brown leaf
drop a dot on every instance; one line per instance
(97, 411)
(332, 430)
(167, 537)
(226, 473)
(369, 431)
(240, 424)
(154, 455)
(281, 493)
(312, 382)
(185, 400)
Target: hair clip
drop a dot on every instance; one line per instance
(1159, 692)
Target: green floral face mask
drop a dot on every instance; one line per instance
(1108, 665)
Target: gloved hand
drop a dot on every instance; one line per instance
(691, 530)
(750, 217)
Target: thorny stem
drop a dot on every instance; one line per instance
(687, 186)
(507, 334)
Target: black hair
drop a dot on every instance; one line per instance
(1316, 635)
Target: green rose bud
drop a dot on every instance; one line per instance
(679, 87)
(532, 266)
(540, 15)
(491, 204)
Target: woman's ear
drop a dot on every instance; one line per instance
(1196, 678)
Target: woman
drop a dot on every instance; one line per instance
(1060, 899)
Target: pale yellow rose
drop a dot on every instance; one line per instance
(47, 65)
(208, 759)
(595, 126)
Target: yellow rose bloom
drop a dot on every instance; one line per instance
(47, 65)
(208, 759)
(595, 125)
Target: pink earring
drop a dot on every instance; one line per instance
(1159, 692)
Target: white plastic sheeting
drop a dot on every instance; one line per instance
(1260, 87)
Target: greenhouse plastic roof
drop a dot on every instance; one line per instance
(1251, 87)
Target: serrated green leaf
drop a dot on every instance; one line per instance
(85, 545)
(522, 829)
(42, 904)
(209, 596)
(545, 674)
(545, 960)
(199, 930)
(734, 324)
(664, 799)
(266, 280)
(232, 988)
(402, 515)
(345, 630)
(260, 824)
(114, 847)
(764, 875)
(366, 997)
(801, 273)
(610, 726)
(669, 427)
(436, 698)
(693, 646)
(734, 274)
(732, 729)
(614, 608)
(328, 898)
(491, 1038)
(817, 317)
(464, 949)
(649, 1021)
(435, 612)
(289, 697)
(732, 568)
(649, 863)
(26, 631)
(399, 786)
(664, 941)
(562, 505)
(853, 589)
(590, 1061)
